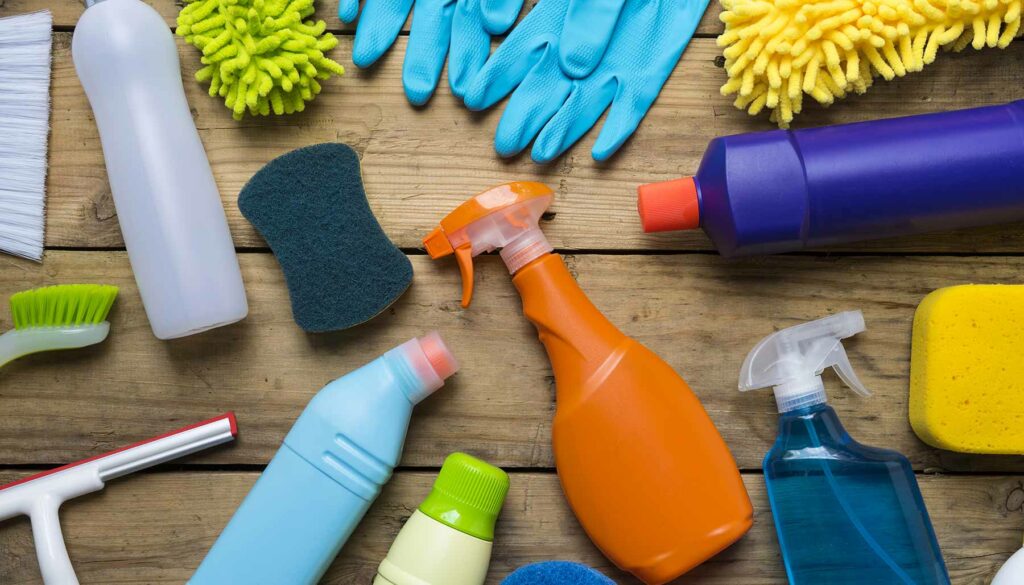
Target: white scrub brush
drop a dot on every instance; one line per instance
(25, 47)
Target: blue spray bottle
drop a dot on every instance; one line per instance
(845, 513)
(327, 472)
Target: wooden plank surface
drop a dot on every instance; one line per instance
(420, 162)
(701, 313)
(156, 528)
(67, 12)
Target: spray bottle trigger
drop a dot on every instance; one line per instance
(840, 362)
(438, 246)
(464, 256)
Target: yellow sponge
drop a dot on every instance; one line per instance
(966, 371)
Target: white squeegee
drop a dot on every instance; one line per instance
(40, 496)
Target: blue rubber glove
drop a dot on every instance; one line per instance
(563, 81)
(462, 28)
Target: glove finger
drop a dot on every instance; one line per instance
(348, 10)
(539, 97)
(378, 28)
(429, 38)
(506, 69)
(521, 51)
(499, 15)
(589, 27)
(627, 111)
(469, 48)
(576, 117)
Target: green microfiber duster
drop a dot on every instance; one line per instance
(260, 55)
(340, 267)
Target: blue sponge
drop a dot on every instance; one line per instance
(556, 573)
(341, 269)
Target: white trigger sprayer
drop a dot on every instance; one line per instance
(791, 361)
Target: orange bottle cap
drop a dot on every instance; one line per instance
(669, 205)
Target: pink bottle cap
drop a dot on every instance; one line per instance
(431, 361)
(438, 354)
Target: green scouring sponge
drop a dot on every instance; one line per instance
(260, 55)
(340, 267)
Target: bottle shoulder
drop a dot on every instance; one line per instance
(850, 451)
(818, 434)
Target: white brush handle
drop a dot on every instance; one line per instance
(20, 342)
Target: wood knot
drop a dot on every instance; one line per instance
(1015, 499)
(103, 206)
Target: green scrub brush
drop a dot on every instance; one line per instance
(65, 316)
(260, 55)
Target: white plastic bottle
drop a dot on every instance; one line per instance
(447, 540)
(1012, 572)
(167, 201)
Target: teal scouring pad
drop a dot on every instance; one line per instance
(556, 573)
(341, 269)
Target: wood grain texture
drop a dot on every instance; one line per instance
(67, 12)
(700, 313)
(419, 163)
(156, 528)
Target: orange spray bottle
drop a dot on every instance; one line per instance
(641, 464)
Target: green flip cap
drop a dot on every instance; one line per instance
(467, 495)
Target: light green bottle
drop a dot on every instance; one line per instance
(447, 540)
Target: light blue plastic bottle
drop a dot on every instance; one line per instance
(845, 513)
(327, 472)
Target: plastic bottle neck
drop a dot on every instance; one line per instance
(800, 394)
(577, 336)
(526, 248)
(423, 365)
(811, 427)
(809, 411)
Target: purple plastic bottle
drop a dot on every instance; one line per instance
(787, 190)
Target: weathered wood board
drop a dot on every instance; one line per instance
(701, 313)
(418, 163)
(156, 528)
(67, 12)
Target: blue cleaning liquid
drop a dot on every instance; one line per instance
(846, 513)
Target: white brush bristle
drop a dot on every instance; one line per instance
(25, 53)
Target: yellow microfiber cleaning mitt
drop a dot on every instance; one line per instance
(778, 50)
(260, 55)
(966, 372)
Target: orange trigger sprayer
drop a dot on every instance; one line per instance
(641, 464)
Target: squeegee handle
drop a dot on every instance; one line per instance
(54, 562)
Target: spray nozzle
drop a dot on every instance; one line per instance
(791, 361)
(504, 217)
